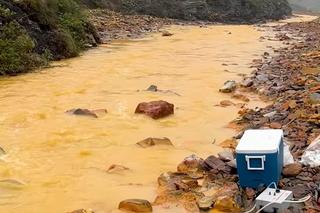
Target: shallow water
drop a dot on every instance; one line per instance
(61, 160)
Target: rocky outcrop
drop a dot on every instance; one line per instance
(212, 10)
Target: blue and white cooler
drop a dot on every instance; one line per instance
(259, 157)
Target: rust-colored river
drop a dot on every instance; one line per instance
(57, 162)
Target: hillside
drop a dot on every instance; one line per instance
(311, 5)
(34, 32)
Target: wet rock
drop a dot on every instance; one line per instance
(292, 170)
(215, 165)
(247, 82)
(226, 204)
(228, 87)
(229, 143)
(205, 203)
(156, 109)
(226, 156)
(135, 205)
(241, 97)
(115, 168)
(226, 103)
(82, 211)
(152, 88)
(148, 142)
(82, 112)
(191, 165)
(166, 33)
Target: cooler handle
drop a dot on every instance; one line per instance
(262, 158)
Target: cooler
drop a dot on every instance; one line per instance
(259, 157)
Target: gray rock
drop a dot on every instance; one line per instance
(315, 98)
(270, 114)
(228, 87)
(247, 82)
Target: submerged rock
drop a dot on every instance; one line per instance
(135, 205)
(115, 168)
(156, 109)
(228, 87)
(86, 112)
(148, 142)
(82, 211)
(152, 88)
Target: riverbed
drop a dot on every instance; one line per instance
(59, 161)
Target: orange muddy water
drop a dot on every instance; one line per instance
(57, 162)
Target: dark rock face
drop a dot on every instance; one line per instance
(212, 10)
(155, 109)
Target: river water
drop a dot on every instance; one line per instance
(59, 161)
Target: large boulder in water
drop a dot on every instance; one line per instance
(155, 109)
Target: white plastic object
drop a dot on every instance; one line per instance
(262, 158)
(262, 141)
(311, 156)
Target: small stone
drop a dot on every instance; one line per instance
(82, 112)
(275, 125)
(135, 205)
(152, 88)
(115, 168)
(166, 33)
(228, 87)
(226, 204)
(226, 156)
(315, 98)
(205, 203)
(148, 142)
(226, 103)
(250, 193)
(270, 114)
(292, 170)
(247, 82)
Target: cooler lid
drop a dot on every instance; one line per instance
(260, 141)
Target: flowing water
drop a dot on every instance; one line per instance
(60, 160)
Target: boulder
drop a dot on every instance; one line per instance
(228, 87)
(292, 170)
(248, 82)
(135, 205)
(148, 142)
(155, 109)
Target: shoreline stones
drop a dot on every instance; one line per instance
(155, 109)
(228, 87)
(135, 205)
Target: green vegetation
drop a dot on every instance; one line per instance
(58, 29)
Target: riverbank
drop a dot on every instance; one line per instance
(288, 77)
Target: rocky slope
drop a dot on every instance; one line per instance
(210, 10)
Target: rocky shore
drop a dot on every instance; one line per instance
(289, 78)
